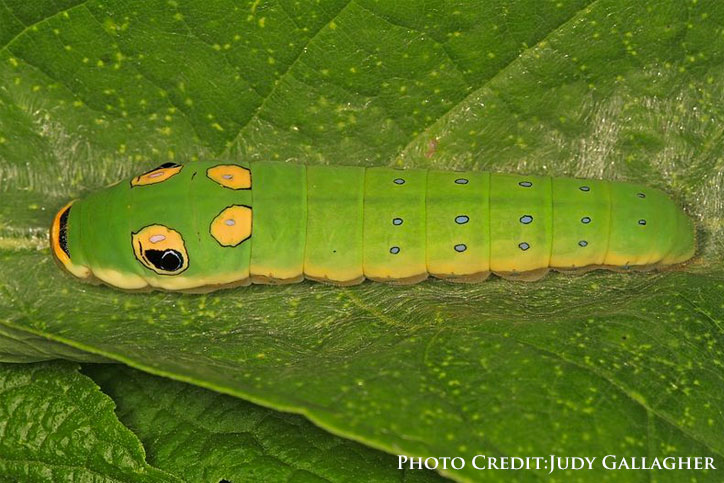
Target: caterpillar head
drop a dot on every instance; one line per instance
(174, 227)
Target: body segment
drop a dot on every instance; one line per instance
(457, 219)
(280, 222)
(394, 225)
(581, 222)
(205, 225)
(335, 199)
(521, 231)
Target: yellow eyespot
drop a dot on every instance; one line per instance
(158, 175)
(230, 176)
(232, 226)
(160, 249)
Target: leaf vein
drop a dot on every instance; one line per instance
(39, 22)
(487, 82)
(286, 72)
(622, 389)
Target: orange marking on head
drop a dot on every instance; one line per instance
(157, 175)
(232, 226)
(230, 176)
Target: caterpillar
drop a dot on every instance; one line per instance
(207, 225)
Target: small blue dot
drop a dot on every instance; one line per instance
(397, 221)
(641, 195)
(461, 220)
(642, 222)
(585, 220)
(525, 219)
(460, 247)
(395, 250)
(398, 181)
(583, 243)
(523, 246)
(584, 188)
(525, 184)
(461, 181)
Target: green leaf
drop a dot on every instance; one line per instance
(619, 89)
(55, 425)
(20, 346)
(205, 436)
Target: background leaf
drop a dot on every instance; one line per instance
(201, 435)
(617, 89)
(20, 346)
(57, 426)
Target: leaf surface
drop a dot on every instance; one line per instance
(206, 436)
(57, 426)
(616, 89)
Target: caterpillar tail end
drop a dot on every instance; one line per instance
(683, 240)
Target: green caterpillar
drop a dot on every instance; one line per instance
(207, 225)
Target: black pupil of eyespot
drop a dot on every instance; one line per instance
(63, 231)
(168, 165)
(166, 260)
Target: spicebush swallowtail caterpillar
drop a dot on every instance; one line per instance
(207, 225)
